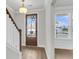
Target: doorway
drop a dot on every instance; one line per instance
(31, 29)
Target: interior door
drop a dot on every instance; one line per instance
(31, 29)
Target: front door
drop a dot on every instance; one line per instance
(31, 29)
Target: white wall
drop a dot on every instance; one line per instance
(64, 6)
(12, 53)
(40, 26)
(12, 42)
(21, 22)
(63, 2)
(45, 29)
(49, 24)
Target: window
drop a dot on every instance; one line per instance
(62, 26)
(31, 25)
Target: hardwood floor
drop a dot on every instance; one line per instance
(33, 53)
(39, 53)
(63, 54)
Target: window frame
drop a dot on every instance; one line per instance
(69, 24)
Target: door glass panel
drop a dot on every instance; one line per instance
(31, 26)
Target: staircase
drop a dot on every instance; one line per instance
(14, 40)
(33, 53)
(13, 32)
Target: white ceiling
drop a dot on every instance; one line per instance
(35, 4)
(30, 4)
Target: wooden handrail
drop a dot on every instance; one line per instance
(12, 19)
(19, 30)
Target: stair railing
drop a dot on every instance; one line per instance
(19, 30)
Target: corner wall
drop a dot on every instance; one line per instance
(20, 20)
(41, 41)
(65, 8)
(12, 54)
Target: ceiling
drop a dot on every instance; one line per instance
(30, 4)
(35, 4)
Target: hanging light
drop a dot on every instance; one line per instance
(22, 9)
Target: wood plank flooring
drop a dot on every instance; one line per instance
(39, 53)
(33, 53)
(63, 54)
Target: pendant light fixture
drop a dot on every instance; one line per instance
(22, 9)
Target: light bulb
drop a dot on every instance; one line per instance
(23, 10)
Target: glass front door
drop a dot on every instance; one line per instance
(31, 29)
